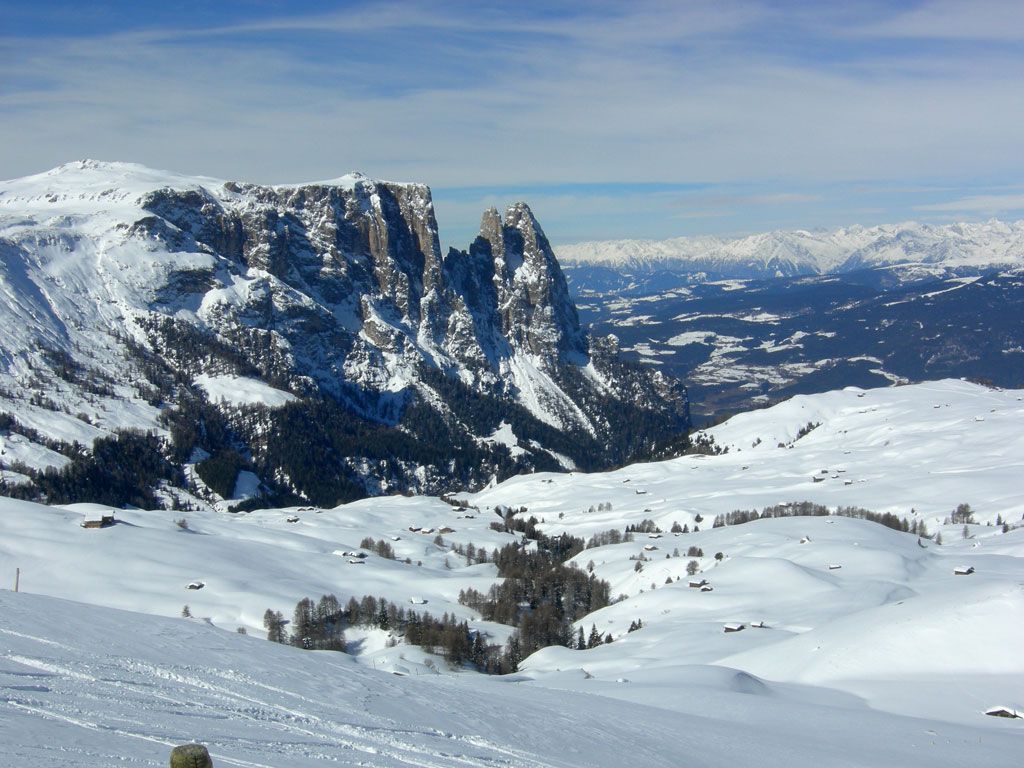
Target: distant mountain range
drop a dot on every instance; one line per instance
(749, 321)
(305, 341)
(915, 250)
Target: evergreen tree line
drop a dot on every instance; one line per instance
(558, 548)
(220, 472)
(122, 470)
(611, 536)
(644, 526)
(474, 554)
(810, 509)
(614, 536)
(92, 380)
(805, 430)
(461, 504)
(321, 625)
(685, 528)
(964, 514)
(593, 640)
(539, 594)
(704, 444)
(381, 548)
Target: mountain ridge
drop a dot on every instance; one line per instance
(790, 253)
(124, 285)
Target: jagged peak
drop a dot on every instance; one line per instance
(519, 216)
(516, 215)
(492, 232)
(519, 209)
(490, 222)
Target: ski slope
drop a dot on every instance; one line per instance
(860, 645)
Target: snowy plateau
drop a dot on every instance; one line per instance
(854, 644)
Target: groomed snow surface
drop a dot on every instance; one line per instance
(859, 645)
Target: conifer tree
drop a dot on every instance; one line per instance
(273, 622)
(304, 624)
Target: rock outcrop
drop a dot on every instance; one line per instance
(334, 295)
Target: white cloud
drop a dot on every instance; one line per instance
(996, 20)
(984, 204)
(655, 91)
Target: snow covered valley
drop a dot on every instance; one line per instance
(813, 640)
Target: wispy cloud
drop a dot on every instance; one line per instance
(985, 204)
(781, 98)
(984, 20)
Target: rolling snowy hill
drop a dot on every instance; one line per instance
(859, 646)
(85, 687)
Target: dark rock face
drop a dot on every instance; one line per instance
(404, 363)
(533, 298)
(510, 284)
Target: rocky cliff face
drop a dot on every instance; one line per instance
(313, 333)
(532, 298)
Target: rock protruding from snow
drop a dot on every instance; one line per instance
(527, 301)
(332, 290)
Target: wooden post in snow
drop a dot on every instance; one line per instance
(17, 578)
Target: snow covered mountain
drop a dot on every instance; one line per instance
(860, 645)
(750, 321)
(913, 249)
(308, 339)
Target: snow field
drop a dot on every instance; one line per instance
(887, 659)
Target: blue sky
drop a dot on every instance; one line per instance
(613, 120)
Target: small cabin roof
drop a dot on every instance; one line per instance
(1004, 712)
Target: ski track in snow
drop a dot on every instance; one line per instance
(140, 687)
